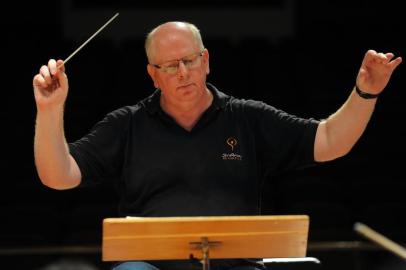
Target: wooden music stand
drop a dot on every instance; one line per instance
(226, 237)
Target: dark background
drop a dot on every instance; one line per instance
(300, 56)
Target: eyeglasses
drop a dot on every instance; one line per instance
(172, 67)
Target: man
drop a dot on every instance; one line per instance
(189, 149)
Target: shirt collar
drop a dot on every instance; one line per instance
(152, 103)
(219, 98)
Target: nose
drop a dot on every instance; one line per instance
(182, 69)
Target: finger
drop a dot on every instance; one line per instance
(44, 71)
(371, 52)
(394, 63)
(381, 55)
(381, 58)
(39, 81)
(63, 81)
(389, 56)
(61, 65)
(52, 66)
(369, 56)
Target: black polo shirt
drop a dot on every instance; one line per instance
(217, 168)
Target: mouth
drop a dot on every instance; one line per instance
(185, 86)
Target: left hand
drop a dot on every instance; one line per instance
(376, 70)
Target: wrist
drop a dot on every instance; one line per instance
(363, 94)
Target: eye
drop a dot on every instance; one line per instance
(171, 65)
(187, 62)
(172, 69)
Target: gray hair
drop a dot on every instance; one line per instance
(150, 37)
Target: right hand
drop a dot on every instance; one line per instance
(51, 85)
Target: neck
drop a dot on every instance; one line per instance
(186, 114)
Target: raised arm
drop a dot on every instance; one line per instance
(338, 133)
(55, 166)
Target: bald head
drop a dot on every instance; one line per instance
(169, 33)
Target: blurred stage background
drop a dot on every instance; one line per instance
(300, 56)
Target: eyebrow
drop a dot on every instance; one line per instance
(177, 59)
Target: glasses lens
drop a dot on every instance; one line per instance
(170, 67)
(190, 61)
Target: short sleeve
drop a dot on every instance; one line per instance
(285, 141)
(99, 154)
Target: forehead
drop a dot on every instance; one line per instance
(173, 43)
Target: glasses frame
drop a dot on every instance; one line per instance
(164, 68)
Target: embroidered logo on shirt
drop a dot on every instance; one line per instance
(232, 142)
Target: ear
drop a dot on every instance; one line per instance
(152, 73)
(206, 60)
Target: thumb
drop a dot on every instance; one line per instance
(61, 75)
(62, 80)
(60, 65)
(362, 76)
